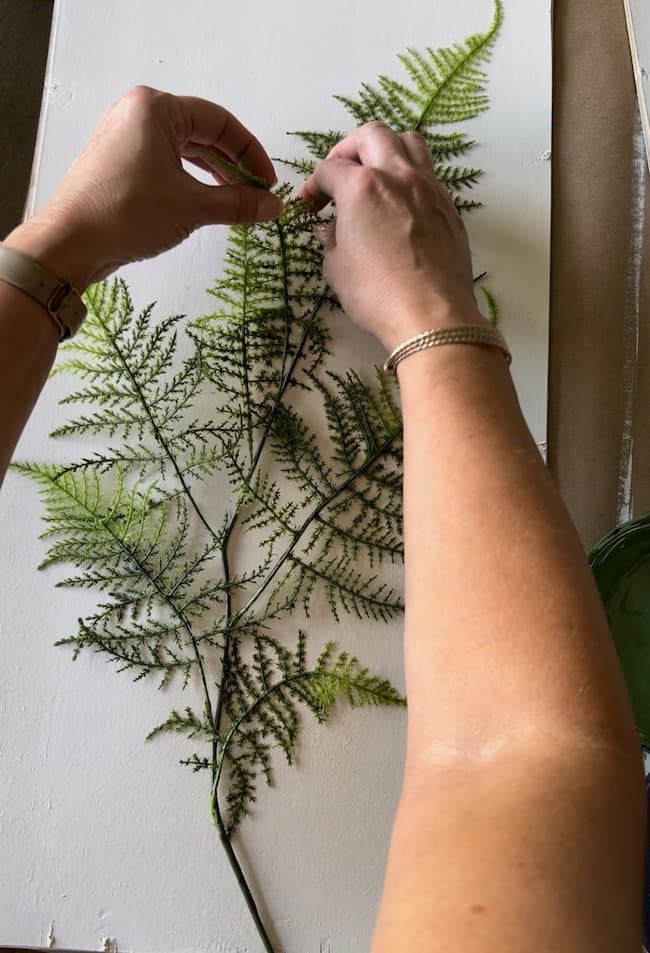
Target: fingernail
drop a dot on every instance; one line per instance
(324, 233)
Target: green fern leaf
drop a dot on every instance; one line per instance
(446, 85)
(319, 144)
(263, 710)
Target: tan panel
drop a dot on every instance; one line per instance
(594, 119)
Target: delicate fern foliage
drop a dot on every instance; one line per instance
(262, 699)
(123, 360)
(170, 407)
(269, 299)
(127, 515)
(444, 86)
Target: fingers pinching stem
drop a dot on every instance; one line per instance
(209, 124)
(326, 182)
(374, 144)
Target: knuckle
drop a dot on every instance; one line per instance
(140, 97)
(367, 181)
(133, 107)
(369, 127)
(410, 176)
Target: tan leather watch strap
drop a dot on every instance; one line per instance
(61, 301)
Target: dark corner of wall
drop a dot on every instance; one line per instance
(24, 40)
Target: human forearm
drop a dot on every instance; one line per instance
(540, 849)
(27, 348)
(496, 579)
(28, 337)
(517, 711)
(521, 815)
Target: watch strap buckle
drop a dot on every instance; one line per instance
(59, 298)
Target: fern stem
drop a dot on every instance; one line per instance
(288, 314)
(163, 443)
(255, 458)
(244, 352)
(236, 867)
(230, 619)
(285, 377)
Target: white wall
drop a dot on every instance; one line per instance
(100, 833)
(638, 21)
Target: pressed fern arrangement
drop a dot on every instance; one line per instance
(322, 504)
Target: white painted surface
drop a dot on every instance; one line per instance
(100, 833)
(638, 22)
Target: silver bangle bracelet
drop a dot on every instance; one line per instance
(470, 334)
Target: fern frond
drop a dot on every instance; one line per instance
(351, 506)
(134, 552)
(126, 365)
(345, 679)
(267, 299)
(446, 85)
(346, 589)
(264, 713)
(319, 144)
(303, 167)
(188, 724)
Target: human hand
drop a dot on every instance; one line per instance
(127, 196)
(397, 255)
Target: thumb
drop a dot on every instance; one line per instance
(236, 204)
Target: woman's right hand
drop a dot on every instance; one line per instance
(397, 254)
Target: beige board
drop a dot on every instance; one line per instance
(599, 397)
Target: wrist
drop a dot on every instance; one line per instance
(63, 250)
(418, 320)
(451, 365)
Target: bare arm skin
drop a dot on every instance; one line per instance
(521, 819)
(127, 197)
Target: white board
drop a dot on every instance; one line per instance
(637, 13)
(102, 835)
